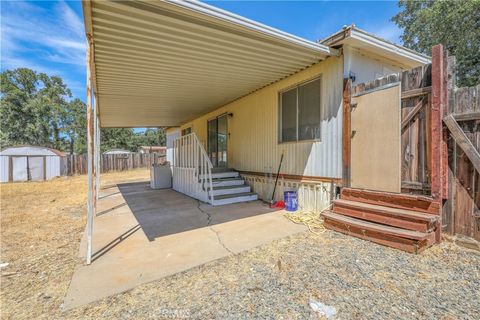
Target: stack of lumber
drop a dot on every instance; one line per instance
(401, 221)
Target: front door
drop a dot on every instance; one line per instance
(217, 140)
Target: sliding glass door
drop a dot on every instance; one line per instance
(217, 141)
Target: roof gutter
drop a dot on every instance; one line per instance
(377, 42)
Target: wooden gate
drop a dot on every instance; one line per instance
(416, 130)
(462, 213)
(440, 141)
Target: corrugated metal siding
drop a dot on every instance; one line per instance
(53, 167)
(3, 168)
(253, 141)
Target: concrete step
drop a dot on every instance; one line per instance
(224, 182)
(401, 218)
(234, 198)
(219, 175)
(221, 169)
(407, 240)
(218, 191)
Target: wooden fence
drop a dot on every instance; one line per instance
(462, 213)
(77, 164)
(456, 141)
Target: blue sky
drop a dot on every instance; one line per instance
(48, 36)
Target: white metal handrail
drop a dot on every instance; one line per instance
(192, 168)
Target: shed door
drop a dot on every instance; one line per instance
(19, 169)
(375, 141)
(36, 167)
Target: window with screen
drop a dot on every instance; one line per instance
(300, 112)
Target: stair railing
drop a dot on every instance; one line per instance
(192, 168)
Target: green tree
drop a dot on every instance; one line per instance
(152, 137)
(118, 138)
(75, 126)
(38, 109)
(32, 106)
(455, 24)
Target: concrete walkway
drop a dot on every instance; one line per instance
(141, 235)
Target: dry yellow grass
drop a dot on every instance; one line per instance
(41, 226)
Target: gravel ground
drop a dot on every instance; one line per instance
(360, 279)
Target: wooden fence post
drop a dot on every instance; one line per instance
(346, 149)
(439, 152)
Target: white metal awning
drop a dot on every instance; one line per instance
(161, 63)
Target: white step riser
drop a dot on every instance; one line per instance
(238, 182)
(235, 200)
(229, 174)
(231, 191)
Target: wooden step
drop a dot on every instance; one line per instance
(402, 239)
(394, 200)
(401, 218)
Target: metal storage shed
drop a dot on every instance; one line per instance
(29, 163)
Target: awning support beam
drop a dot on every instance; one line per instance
(92, 203)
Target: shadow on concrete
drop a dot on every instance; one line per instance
(165, 212)
(112, 244)
(110, 209)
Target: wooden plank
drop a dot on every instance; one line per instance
(464, 195)
(444, 141)
(436, 130)
(462, 140)
(406, 120)
(346, 138)
(416, 92)
(403, 244)
(365, 225)
(399, 218)
(394, 200)
(470, 116)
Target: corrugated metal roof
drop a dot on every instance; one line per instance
(161, 63)
(27, 150)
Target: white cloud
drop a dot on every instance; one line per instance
(48, 39)
(71, 19)
(29, 28)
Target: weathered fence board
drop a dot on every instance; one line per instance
(463, 209)
(416, 140)
(77, 164)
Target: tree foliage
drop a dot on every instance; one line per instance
(455, 24)
(37, 109)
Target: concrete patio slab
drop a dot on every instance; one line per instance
(141, 235)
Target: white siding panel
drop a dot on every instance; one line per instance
(367, 67)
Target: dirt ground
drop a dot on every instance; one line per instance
(42, 224)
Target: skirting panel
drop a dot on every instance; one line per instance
(312, 196)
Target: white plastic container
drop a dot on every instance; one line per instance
(160, 176)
